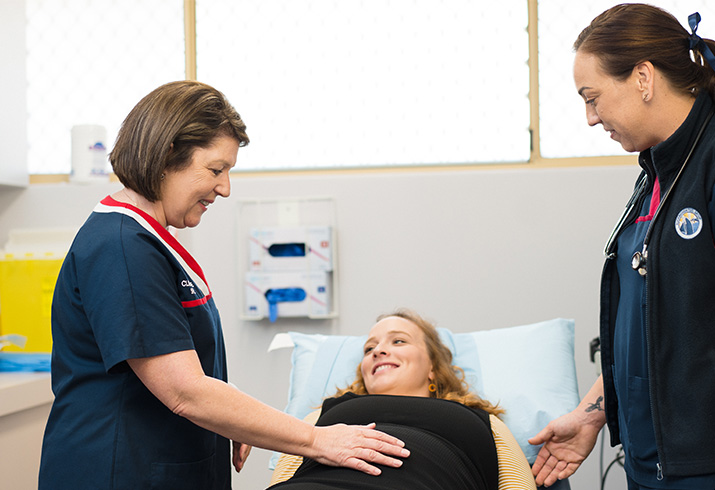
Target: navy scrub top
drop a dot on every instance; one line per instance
(128, 289)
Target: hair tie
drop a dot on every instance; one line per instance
(696, 42)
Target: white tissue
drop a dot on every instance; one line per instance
(281, 341)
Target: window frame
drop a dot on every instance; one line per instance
(535, 161)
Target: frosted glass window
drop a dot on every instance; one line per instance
(89, 62)
(562, 113)
(371, 82)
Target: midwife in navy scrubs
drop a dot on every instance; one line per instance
(651, 84)
(138, 362)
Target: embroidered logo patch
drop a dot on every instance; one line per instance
(688, 223)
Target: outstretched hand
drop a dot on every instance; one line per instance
(567, 441)
(356, 447)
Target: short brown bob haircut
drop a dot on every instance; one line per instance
(162, 131)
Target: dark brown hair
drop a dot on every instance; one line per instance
(162, 131)
(448, 378)
(628, 34)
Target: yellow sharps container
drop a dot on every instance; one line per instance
(26, 287)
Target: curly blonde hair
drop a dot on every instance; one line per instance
(448, 378)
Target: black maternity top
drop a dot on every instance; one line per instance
(451, 446)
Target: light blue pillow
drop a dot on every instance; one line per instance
(528, 370)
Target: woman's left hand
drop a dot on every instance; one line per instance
(240, 454)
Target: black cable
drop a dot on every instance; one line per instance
(620, 457)
(619, 460)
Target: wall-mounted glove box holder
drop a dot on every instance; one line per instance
(287, 294)
(291, 249)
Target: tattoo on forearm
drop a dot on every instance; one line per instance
(595, 406)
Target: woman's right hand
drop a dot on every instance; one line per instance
(356, 447)
(567, 441)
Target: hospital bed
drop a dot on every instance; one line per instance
(528, 370)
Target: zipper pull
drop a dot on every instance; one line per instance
(659, 474)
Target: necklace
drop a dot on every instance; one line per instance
(148, 208)
(126, 194)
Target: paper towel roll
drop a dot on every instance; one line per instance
(89, 153)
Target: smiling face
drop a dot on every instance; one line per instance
(396, 361)
(187, 193)
(617, 105)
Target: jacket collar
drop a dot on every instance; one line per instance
(666, 158)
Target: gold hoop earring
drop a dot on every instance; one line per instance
(645, 97)
(432, 387)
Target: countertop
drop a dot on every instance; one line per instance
(22, 391)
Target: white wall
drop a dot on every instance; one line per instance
(470, 249)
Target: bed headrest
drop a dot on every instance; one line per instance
(528, 370)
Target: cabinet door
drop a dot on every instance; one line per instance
(13, 86)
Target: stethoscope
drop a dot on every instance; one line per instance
(639, 259)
